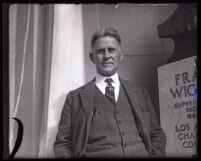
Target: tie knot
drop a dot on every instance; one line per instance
(109, 81)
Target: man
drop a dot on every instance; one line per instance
(108, 117)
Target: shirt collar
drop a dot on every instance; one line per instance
(101, 79)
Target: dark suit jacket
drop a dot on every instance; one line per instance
(76, 118)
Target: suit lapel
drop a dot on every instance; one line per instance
(87, 97)
(131, 93)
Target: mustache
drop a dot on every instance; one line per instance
(108, 59)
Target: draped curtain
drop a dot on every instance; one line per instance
(67, 68)
(45, 56)
(26, 53)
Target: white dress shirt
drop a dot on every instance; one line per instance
(101, 84)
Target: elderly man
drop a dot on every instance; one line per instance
(108, 117)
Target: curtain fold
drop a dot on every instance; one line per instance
(46, 61)
(26, 50)
(67, 69)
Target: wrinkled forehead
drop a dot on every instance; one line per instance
(105, 41)
(104, 33)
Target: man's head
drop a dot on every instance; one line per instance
(106, 51)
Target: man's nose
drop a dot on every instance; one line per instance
(106, 53)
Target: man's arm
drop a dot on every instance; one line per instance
(63, 143)
(157, 135)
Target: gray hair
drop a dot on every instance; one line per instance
(106, 32)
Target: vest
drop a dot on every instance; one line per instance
(113, 131)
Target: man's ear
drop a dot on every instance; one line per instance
(122, 55)
(91, 56)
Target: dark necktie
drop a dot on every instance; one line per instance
(109, 90)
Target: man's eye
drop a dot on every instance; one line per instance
(111, 50)
(100, 52)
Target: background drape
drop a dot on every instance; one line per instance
(26, 52)
(46, 52)
(67, 69)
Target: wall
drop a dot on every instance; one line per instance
(143, 50)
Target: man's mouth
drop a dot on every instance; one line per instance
(107, 63)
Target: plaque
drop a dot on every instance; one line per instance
(178, 106)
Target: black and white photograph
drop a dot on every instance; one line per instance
(100, 80)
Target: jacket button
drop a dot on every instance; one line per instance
(125, 145)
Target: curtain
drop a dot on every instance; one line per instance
(67, 69)
(27, 48)
(45, 63)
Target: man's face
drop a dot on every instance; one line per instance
(106, 54)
